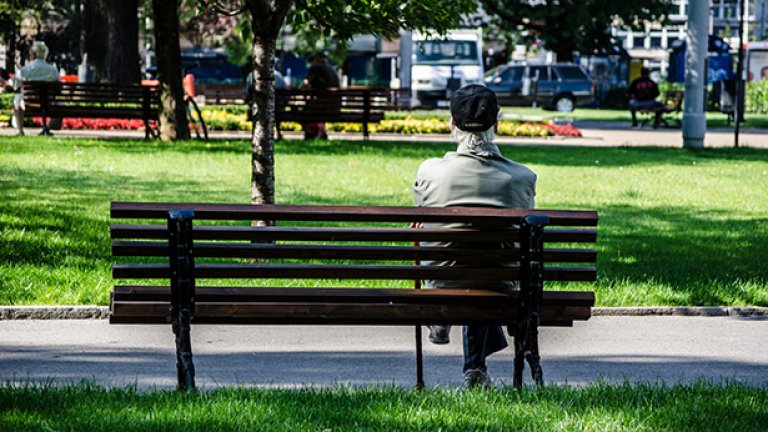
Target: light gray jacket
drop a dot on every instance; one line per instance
(463, 178)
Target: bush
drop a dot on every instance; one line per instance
(756, 97)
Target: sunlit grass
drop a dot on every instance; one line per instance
(676, 227)
(602, 407)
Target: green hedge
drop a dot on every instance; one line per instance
(756, 97)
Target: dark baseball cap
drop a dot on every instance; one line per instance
(474, 108)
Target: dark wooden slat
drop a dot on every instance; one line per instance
(346, 313)
(273, 233)
(350, 295)
(333, 252)
(393, 272)
(553, 235)
(303, 271)
(350, 213)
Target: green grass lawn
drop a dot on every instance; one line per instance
(677, 227)
(714, 119)
(597, 407)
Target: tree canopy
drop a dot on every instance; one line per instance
(568, 26)
(345, 19)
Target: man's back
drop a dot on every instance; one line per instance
(643, 89)
(38, 70)
(322, 76)
(465, 179)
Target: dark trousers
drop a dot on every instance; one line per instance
(480, 341)
(635, 105)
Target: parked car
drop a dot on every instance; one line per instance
(560, 87)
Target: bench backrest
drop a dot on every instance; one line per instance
(335, 105)
(331, 244)
(66, 99)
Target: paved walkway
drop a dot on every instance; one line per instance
(639, 349)
(598, 134)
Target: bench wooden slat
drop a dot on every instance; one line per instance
(399, 253)
(351, 295)
(350, 213)
(339, 313)
(274, 233)
(326, 271)
(392, 272)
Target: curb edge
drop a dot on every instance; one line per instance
(8, 313)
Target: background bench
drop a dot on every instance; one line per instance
(362, 259)
(672, 107)
(346, 105)
(91, 100)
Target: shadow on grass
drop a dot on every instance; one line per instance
(701, 258)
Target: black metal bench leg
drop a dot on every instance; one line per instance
(532, 350)
(526, 328)
(519, 343)
(182, 292)
(419, 360)
(185, 368)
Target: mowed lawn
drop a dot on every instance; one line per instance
(677, 227)
(597, 407)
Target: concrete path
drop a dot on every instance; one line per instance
(639, 349)
(595, 134)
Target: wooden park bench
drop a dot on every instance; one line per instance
(346, 105)
(363, 257)
(91, 100)
(671, 107)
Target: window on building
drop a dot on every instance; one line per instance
(638, 41)
(656, 42)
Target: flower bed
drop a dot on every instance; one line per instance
(99, 124)
(222, 120)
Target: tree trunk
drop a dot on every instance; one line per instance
(10, 48)
(262, 141)
(95, 31)
(267, 18)
(122, 61)
(173, 115)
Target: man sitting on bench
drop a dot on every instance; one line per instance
(642, 97)
(476, 175)
(36, 70)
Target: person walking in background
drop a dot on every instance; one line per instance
(320, 76)
(36, 70)
(642, 94)
(476, 175)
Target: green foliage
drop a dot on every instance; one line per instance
(579, 26)
(595, 407)
(756, 97)
(676, 227)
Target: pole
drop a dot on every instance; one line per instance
(737, 109)
(694, 120)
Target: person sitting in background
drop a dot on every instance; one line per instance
(320, 76)
(642, 94)
(36, 70)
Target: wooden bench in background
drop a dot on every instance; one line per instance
(347, 105)
(91, 100)
(368, 251)
(672, 107)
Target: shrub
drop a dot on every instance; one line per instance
(756, 97)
